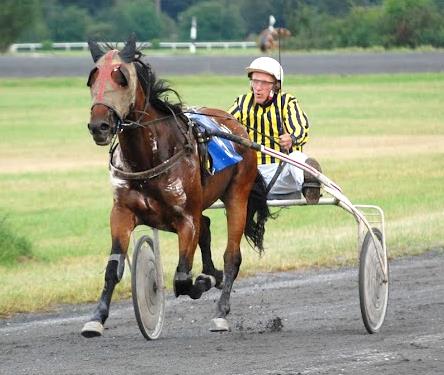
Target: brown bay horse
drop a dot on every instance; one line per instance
(158, 181)
(270, 38)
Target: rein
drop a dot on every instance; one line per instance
(167, 164)
(136, 124)
(230, 118)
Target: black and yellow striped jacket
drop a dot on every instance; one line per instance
(266, 123)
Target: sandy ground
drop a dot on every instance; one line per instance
(287, 323)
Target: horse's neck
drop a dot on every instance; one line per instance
(148, 146)
(134, 149)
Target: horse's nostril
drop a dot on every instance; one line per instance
(98, 128)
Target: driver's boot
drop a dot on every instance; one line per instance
(311, 188)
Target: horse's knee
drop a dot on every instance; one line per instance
(233, 259)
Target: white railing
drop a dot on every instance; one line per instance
(173, 45)
(207, 45)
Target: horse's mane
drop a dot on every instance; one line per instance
(156, 90)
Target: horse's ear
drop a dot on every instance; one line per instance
(128, 52)
(96, 51)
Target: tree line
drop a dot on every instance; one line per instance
(314, 24)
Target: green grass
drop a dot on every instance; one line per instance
(380, 137)
(14, 247)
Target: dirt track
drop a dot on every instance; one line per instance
(322, 331)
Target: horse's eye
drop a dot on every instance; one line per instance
(118, 77)
(91, 77)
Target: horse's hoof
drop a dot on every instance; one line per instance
(92, 329)
(219, 325)
(208, 280)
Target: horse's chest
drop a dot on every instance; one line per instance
(158, 204)
(175, 192)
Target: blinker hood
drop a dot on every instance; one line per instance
(107, 92)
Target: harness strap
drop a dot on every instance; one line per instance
(275, 176)
(281, 130)
(164, 166)
(150, 173)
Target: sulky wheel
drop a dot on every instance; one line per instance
(148, 288)
(373, 286)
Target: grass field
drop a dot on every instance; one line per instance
(380, 137)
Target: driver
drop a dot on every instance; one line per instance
(275, 119)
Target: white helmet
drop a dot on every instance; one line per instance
(266, 65)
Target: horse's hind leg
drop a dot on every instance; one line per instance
(236, 216)
(205, 247)
(190, 232)
(122, 223)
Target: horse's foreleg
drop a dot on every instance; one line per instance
(122, 223)
(236, 217)
(205, 247)
(188, 232)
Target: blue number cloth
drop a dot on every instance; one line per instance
(221, 150)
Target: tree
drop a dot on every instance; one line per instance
(15, 17)
(361, 27)
(93, 7)
(440, 4)
(38, 31)
(411, 23)
(311, 29)
(216, 20)
(68, 24)
(256, 14)
(137, 16)
(173, 7)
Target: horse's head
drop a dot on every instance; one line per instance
(113, 84)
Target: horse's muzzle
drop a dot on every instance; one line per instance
(101, 132)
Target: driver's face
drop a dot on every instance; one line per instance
(262, 85)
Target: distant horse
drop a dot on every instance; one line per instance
(270, 37)
(158, 179)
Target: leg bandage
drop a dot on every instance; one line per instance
(120, 259)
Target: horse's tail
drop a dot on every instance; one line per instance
(257, 214)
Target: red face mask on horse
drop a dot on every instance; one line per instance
(108, 87)
(113, 84)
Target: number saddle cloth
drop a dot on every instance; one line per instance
(220, 150)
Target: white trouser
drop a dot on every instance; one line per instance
(291, 178)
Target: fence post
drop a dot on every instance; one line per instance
(193, 35)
